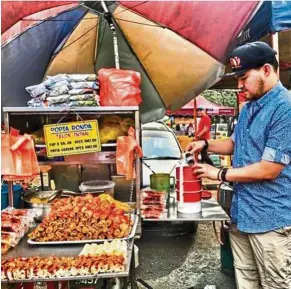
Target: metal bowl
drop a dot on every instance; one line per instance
(41, 210)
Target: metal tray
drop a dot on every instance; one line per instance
(71, 278)
(131, 235)
(25, 250)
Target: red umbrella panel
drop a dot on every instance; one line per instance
(185, 52)
(179, 47)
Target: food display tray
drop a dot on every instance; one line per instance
(24, 250)
(131, 235)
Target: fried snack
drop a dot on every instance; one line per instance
(119, 205)
(84, 218)
(55, 267)
(36, 200)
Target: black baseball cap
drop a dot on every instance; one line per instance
(250, 56)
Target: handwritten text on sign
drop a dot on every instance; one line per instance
(72, 138)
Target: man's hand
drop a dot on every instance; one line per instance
(205, 171)
(195, 147)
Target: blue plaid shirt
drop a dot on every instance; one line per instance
(263, 132)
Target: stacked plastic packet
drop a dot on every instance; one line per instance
(65, 90)
(153, 204)
(14, 225)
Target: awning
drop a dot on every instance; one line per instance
(210, 107)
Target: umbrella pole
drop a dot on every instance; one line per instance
(275, 46)
(195, 119)
(108, 17)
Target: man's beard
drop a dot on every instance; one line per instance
(260, 91)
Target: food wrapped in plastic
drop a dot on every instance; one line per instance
(76, 103)
(36, 102)
(82, 77)
(29, 213)
(52, 80)
(58, 99)
(60, 83)
(110, 120)
(38, 136)
(82, 97)
(126, 123)
(58, 90)
(10, 238)
(151, 213)
(81, 91)
(148, 193)
(11, 225)
(110, 133)
(36, 90)
(87, 84)
(4, 250)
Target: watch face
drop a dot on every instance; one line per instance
(189, 159)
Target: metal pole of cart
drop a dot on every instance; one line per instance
(10, 183)
(108, 17)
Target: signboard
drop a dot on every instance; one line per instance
(226, 111)
(72, 138)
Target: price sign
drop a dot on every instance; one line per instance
(72, 138)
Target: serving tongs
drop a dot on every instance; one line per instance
(62, 193)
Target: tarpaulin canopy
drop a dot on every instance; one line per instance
(272, 17)
(178, 47)
(210, 107)
(14, 11)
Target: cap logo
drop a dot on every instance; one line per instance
(235, 62)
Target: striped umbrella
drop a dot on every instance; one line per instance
(180, 48)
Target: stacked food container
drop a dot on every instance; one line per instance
(189, 190)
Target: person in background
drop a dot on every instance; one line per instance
(178, 130)
(260, 230)
(190, 130)
(203, 132)
(183, 128)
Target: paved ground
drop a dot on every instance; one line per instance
(190, 261)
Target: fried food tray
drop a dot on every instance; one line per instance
(71, 251)
(131, 235)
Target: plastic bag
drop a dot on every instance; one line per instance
(126, 147)
(19, 161)
(119, 87)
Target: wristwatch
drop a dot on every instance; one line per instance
(206, 145)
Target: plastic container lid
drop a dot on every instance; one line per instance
(96, 186)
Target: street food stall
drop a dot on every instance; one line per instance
(88, 234)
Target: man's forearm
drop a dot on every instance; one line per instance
(261, 171)
(222, 147)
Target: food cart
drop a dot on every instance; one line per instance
(211, 210)
(104, 157)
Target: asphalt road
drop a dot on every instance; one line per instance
(182, 262)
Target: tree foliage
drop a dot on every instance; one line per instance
(225, 97)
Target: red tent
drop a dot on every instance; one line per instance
(210, 107)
